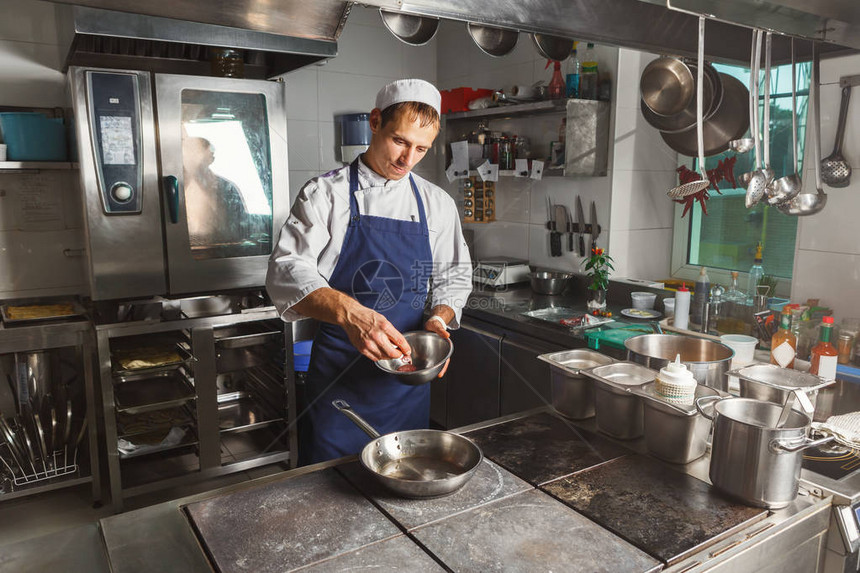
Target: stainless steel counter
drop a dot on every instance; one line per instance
(161, 535)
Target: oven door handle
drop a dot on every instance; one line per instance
(171, 194)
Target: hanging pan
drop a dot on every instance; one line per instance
(409, 28)
(552, 47)
(495, 42)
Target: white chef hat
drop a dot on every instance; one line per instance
(409, 90)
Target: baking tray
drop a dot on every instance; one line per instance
(243, 415)
(781, 378)
(185, 358)
(152, 391)
(77, 310)
(130, 425)
(189, 439)
(245, 340)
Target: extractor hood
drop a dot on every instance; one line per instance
(113, 39)
(661, 26)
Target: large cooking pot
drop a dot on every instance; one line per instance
(706, 359)
(751, 459)
(417, 463)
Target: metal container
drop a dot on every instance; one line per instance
(549, 282)
(430, 353)
(617, 409)
(676, 433)
(586, 149)
(751, 459)
(572, 391)
(771, 383)
(707, 360)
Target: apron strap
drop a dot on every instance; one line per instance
(354, 214)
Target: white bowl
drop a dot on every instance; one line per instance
(643, 300)
(744, 347)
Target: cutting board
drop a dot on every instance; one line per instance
(614, 337)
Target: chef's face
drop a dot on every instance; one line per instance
(399, 145)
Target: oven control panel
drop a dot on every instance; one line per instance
(114, 118)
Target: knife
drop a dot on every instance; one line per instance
(580, 221)
(595, 228)
(555, 239)
(569, 230)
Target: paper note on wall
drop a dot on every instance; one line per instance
(537, 169)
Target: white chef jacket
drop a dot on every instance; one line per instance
(310, 241)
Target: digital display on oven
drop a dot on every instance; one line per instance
(117, 140)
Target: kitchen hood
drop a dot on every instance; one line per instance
(122, 40)
(661, 26)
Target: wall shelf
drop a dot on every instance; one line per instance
(35, 166)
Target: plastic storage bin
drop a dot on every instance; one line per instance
(458, 99)
(31, 136)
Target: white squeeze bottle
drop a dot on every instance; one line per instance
(682, 307)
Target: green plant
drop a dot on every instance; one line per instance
(597, 268)
(770, 281)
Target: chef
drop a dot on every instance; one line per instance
(366, 250)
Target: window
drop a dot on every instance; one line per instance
(725, 238)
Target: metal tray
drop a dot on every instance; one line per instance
(243, 415)
(573, 361)
(622, 375)
(154, 391)
(781, 378)
(556, 314)
(77, 311)
(189, 439)
(130, 425)
(185, 358)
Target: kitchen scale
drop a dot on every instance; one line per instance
(500, 272)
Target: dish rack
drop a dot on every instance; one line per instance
(26, 458)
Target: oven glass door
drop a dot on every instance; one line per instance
(223, 158)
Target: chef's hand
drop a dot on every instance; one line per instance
(374, 336)
(435, 325)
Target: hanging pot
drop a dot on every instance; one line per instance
(729, 122)
(752, 458)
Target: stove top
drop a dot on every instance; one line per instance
(834, 461)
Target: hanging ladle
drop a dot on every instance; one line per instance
(788, 186)
(761, 180)
(693, 187)
(835, 170)
(745, 144)
(755, 181)
(810, 202)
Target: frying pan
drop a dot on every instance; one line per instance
(416, 463)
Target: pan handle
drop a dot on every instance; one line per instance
(704, 401)
(357, 420)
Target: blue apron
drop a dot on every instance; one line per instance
(385, 265)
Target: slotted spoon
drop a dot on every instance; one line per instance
(835, 170)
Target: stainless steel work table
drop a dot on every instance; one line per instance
(163, 536)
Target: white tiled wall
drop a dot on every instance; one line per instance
(521, 212)
(640, 240)
(827, 260)
(369, 56)
(35, 257)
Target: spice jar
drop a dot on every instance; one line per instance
(844, 346)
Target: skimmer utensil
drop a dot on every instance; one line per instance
(693, 187)
(745, 144)
(835, 170)
(761, 180)
(789, 186)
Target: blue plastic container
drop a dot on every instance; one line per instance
(33, 136)
(355, 129)
(302, 355)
